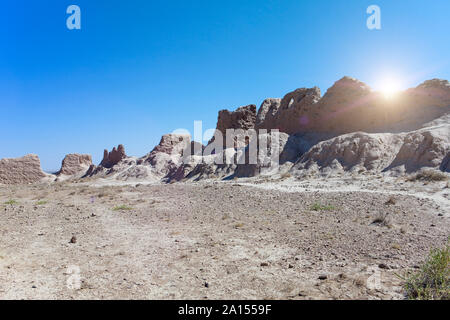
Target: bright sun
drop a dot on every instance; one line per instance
(389, 87)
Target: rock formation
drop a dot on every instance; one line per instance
(242, 118)
(21, 170)
(294, 114)
(355, 152)
(273, 153)
(423, 148)
(267, 111)
(351, 106)
(360, 129)
(394, 152)
(351, 128)
(112, 158)
(75, 164)
(109, 163)
(445, 165)
(164, 162)
(167, 156)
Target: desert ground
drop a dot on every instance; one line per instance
(348, 238)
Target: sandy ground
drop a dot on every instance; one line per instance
(244, 239)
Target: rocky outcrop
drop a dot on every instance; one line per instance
(109, 163)
(445, 165)
(294, 113)
(21, 170)
(171, 144)
(112, 158)
(423, 148)
(167, 158)
(337, 112)
(164, 162)
(208, 168)
(273, 152)
(75, 164)
(355, 152)
(267, 111)
(351, 106)
(436, 84)
(349, 129)
(383, 152)
(242, 118)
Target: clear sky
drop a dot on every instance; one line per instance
(140, 69)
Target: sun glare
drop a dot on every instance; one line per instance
(389, 87)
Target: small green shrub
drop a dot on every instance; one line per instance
(431, 281)
(11, 202)
(319, 207)
(41, 203)
(122, 208)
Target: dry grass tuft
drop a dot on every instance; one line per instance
(239, 225)
(391, 201)
(428, 175)
(382, 219)
(122, 208)
(286, 175)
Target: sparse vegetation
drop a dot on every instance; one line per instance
(83, 190)
(122, 208)
(319, 207)
(431, 281)
(391, 201)
(382, 219)
(11, 202)
(286, 175)
(428, 176)
(41, 202)
(238, 225)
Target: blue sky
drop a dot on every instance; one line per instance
(139, 69)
